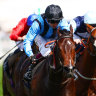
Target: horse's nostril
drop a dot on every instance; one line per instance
(70, 75)
(66, 69)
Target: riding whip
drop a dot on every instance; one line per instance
(10, 50)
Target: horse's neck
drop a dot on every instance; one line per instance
(56, 71)
(86, 62)
(56, 61)
(88, 57)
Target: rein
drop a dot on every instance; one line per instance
(48, 43)
(82, 76)
(93, 30)
(87, 43)
(86, 46)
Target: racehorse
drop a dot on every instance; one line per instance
(53, 76)
(86, 66)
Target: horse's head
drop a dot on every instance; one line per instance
(64, 51)
(92, 39)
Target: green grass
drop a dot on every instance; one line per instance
(1, 90)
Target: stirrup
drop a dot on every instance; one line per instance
(28, 74)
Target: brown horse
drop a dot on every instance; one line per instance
(53, 76)
(86, 66)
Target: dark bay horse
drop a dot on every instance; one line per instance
(53, 76)
(86, 66)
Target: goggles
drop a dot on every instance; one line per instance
(53, 21)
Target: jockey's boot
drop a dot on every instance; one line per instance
(28, 74)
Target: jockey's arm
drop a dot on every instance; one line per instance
(20, 30)
(21, 38)
(76, 23)
(34, 30)
(76, 39)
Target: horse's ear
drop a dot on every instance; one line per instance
(89, 27)
(71, 29)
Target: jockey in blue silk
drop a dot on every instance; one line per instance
(35, 30)
(79, 25)
(42, 30)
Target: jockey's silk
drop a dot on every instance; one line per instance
(35, 30)
(20, 45)
(20, 30)
(40, 42)
(78, 24)
(79, 27)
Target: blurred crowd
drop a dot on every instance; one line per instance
(5, 43)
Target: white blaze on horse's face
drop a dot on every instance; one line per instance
(70, 67)
(69, 42)
(94, 43)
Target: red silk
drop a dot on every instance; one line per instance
(20, 30)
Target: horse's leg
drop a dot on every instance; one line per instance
(5, 91)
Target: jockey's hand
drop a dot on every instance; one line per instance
(33, 59)
(20, 38)
(23, 37)
(77, 41)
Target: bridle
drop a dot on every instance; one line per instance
(55, 47)
(90, 40)
(62, 68)
(86, 45)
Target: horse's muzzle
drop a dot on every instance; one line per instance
(69, 72)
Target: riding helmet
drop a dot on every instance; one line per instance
(53, 12)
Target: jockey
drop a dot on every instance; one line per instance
(79, 25)
(18, 34)
(41, 31)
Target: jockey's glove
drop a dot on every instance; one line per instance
(33, 59)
